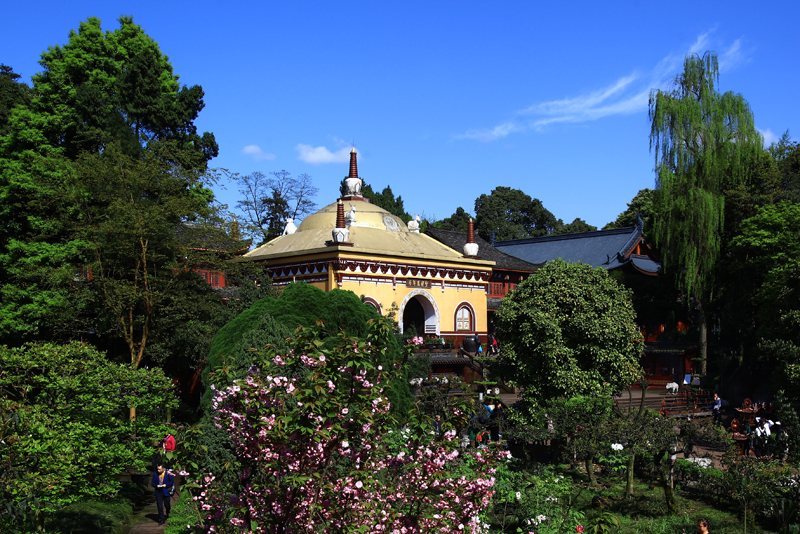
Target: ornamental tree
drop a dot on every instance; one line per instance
(568, 330)
(313, 433)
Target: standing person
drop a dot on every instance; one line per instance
(495, 420)
(716, 409)
(702, 527)
(162, 482)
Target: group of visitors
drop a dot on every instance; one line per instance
(485, 426)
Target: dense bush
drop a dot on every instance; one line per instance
(569, 329)
(271, 320)
(92, 516)
(65, 428)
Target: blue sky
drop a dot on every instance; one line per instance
(446, 100)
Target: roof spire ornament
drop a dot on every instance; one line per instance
(340, 233)
(471, 247)
(352, 183)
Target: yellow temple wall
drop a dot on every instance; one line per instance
(447, 300)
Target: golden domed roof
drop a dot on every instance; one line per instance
(372, 230)
(367, 215)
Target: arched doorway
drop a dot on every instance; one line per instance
(419, 314)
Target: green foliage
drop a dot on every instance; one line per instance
(386, 200)
(641, 205)
(787, 155)
(98, 169)
(577, 226)
(508, 213)
(117, 87)
(184, 512)
(268, 322)
(92, 516)
(67, 434)
(12, 93)
(703, 142)
(770, 242)
(457, 222)
(569, 330)
(538, 500)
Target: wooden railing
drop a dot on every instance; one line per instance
(500, 289)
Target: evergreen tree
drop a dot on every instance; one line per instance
(98, 171)
(457, 222)
(508, 213)
(386, 200)
(703, 142)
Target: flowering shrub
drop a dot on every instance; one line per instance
(416, 341)
(308, 429)
(534, 502)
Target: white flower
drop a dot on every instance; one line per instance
(617, 446)
(359, 484)
(345, 444)
(518, 495)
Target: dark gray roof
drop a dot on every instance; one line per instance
(603, 248)
(645, 264)
(486, 251)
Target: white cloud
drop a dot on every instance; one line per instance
(257, 153)
(580, 104)
(491, 134)
(769, 136)
(732, 56)
(700, 45)
(316, 155)
(626, 95)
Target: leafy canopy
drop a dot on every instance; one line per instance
(703, 142)
(568, 330)
(508, 213)
(65, 429)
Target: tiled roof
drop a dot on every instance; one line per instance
(486, 251)
(603, 248)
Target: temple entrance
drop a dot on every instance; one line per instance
(414, 318)
(419, 316)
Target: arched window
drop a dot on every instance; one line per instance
(464, 318)
(369, 301)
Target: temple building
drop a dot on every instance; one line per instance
(431, 289)
(446, 286)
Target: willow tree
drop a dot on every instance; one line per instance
(703, 142)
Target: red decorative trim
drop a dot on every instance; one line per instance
(372, 302)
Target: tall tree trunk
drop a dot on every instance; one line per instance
(629, 483)
(589, 463)
(669, 479)
(703, 344)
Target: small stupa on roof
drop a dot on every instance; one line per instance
(352, 182)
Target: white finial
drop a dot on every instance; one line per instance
(413, 225)
(290, 228)
(350, 218)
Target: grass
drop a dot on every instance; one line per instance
(183, 516)
(92, 516)
(647, 511)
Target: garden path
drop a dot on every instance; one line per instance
(146, 521)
